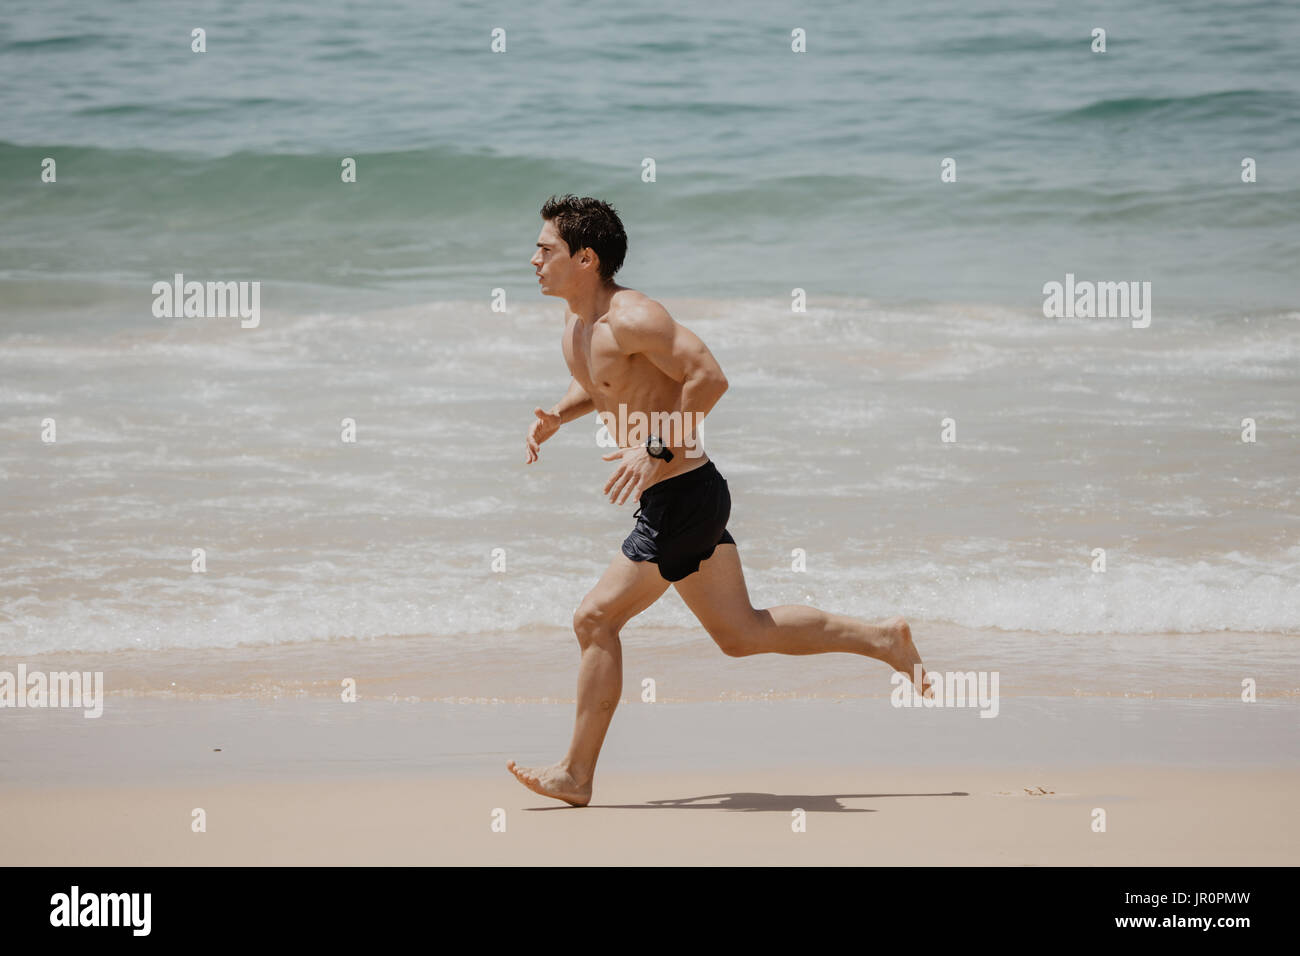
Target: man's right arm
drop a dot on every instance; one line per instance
(575, 404)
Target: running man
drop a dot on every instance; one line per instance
(633, 364)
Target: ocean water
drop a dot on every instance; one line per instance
(773, 171)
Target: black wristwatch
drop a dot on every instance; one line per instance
(655, 448)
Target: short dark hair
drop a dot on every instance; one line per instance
(586, 223)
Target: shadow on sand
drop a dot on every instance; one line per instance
(752, 802)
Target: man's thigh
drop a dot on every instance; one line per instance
(716, 593)
(625, 590)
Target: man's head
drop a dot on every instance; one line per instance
(582, 241)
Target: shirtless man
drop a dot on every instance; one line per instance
(626, 353)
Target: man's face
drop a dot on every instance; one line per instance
(552, 262)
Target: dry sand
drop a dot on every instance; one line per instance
(1182, 782)
(895, 817)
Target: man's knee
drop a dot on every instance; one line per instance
(593, 624)
(734, 638)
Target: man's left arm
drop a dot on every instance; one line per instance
(648, 329)
(677, 352)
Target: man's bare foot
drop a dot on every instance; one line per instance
(555, 781)
(902, 655)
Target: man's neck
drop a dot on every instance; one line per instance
(591, 305)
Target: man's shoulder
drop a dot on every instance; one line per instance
(634, 313)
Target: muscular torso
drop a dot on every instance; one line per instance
(612, 378)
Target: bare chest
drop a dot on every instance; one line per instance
(594, 359)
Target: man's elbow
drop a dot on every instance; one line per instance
(710, 380)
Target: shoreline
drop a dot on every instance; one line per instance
(540, 666)
(164, 742)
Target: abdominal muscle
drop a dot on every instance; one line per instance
(630, 429)
(630, 386)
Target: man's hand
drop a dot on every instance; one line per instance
(547, 424)
(637, 471)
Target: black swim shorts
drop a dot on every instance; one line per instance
(680, 521)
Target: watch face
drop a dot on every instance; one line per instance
(655, 445)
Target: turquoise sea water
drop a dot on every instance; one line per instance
(775, 170)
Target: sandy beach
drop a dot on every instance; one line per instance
(911, 817)
(318, 782)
